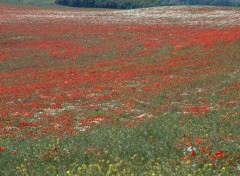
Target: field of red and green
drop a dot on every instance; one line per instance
(110, 92)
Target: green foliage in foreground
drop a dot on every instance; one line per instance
(146, 149)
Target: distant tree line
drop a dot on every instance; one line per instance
(132, 4)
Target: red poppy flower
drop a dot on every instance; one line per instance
(202, 149)
(192, 153)
(197, 141)
(55, 148)
(219, 154)
(185, 157)
(2, 148)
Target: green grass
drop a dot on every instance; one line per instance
(141, 150)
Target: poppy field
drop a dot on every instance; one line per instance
(150, 91)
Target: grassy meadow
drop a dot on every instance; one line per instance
(150, 91)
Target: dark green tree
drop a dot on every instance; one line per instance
(131, 4)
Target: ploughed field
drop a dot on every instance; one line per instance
(111, 92)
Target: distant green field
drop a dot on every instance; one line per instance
(32, 2)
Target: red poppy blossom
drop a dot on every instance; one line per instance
(219, 154)
(192, 153)
(204, 109)
(197, 141)
(54, 148)
(2, 148)
(185, 157)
